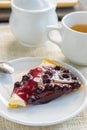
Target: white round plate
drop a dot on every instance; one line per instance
(56, 111)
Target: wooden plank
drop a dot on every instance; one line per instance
(5, 4)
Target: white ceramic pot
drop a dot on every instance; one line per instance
(30, 26)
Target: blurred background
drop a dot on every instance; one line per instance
(62, 8)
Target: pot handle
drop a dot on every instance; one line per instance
(51, 28)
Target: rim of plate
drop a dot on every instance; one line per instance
(70, 116)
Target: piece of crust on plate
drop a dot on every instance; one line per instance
(42, 84)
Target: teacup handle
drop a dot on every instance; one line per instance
(51, 28)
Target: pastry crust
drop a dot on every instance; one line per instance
(16, 101)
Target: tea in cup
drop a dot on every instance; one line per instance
(80, 27)
(74, 36)
(29, 21)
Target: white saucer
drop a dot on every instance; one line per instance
(54, 112)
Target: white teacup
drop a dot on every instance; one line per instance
(29, 21)
(74, 43)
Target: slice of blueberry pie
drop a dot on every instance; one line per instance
(42, 84)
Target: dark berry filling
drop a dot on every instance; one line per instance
(57, 68)
(65, 75)
(67, 88)
(26, 78)
(66, 71)
(47, 89)
(74, 77)
(39, 90)
(17, 84)
(76, 85)
(49, 72)
(33, 99)
(46, 79)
